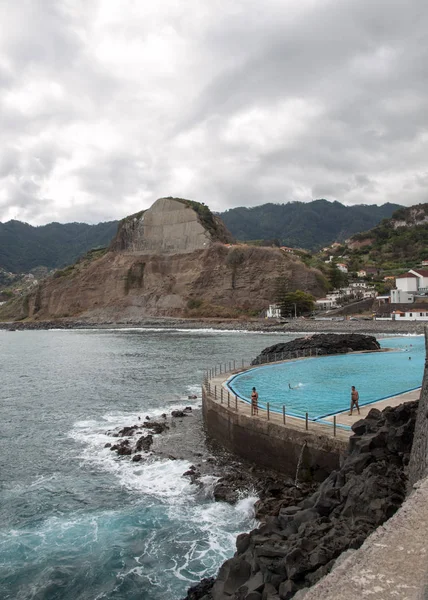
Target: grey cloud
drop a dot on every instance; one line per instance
(99, 117)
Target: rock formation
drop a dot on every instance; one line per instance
(170, 226)
(173, 259)
(320, 345)
(298, 545)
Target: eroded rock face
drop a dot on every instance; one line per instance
(173, 259)
(320, 345)
(169, 226)
(296, 547)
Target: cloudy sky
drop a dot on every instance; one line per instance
(106, 105)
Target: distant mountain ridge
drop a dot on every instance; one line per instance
(308, 225)
(24, 247)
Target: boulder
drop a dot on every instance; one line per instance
(144, 443)
(319, 344)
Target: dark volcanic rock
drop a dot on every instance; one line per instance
(298, 545)
(144, 443)
(201, 589)
(318, 345)
(155, 426)
(178, 413)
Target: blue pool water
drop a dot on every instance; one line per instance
(322, 386)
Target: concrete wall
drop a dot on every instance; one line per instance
(418, 465)
(272, 445)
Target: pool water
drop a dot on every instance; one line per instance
(322, 386)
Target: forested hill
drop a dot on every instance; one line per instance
(24, 247)
(395, 244)
(307, 225)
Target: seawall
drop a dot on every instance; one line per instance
(270, 443)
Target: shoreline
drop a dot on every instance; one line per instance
(298, 325)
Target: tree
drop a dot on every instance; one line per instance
(297, 303)
(336, 277)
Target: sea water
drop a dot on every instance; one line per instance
(76, 520)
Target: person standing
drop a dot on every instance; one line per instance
(354, 400)
(254, 402)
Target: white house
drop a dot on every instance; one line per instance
(422, 275)
(360, 285)
(409, 285)
(342, 267)
(417, 312)
(273, 312)
(401, 297)
(326, 303)
(362, 273)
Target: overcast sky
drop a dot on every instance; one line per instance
(106, 105)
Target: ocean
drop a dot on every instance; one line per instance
(78, 522)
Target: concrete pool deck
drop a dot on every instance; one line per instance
(322, 427)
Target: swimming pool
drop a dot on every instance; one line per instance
(322, 386)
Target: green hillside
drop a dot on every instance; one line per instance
(308, 225)
(395, 244)
(24, 247)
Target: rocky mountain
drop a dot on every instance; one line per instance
(308, 225)
(170, 260)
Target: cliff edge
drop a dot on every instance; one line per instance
(170, 226)
(173, 260)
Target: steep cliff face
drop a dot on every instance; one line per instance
(167, 262)
(208, 282)
(170, 226)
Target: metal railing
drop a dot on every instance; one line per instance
(232, 401)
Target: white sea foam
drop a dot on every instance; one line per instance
(204, 530)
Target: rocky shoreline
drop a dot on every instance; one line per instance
(299, 325)
(180, 436)
(304, 528)
(299, 542)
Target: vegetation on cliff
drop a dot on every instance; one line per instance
(398, 243)
(212, 223)
(303, 224)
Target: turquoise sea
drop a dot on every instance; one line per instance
(78, 522)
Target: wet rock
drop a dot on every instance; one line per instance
(318, 344)
(127, 431)
(137, 458)
(156, 427)
(201, 590)
(122, 448)
(299, 542)
(144, 443)
(178, 414)
(108, 445)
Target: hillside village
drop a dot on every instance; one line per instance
(358, 277)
